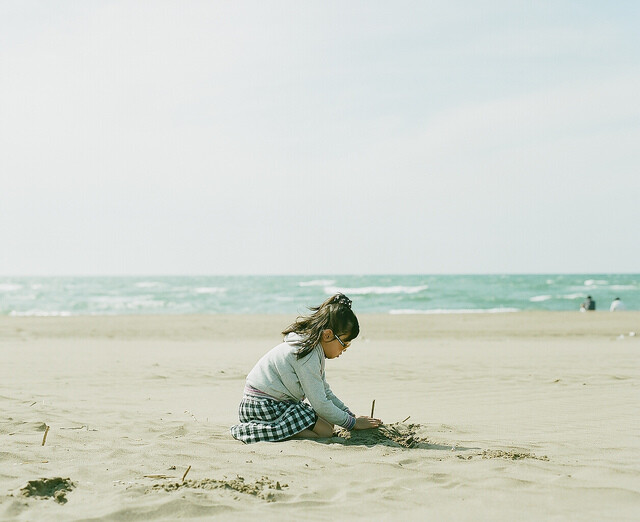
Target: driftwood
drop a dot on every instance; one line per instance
(46, 431)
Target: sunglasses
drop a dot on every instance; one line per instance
(344, 346)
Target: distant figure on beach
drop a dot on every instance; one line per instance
(588, 304)
(272, 409)
(617, 305)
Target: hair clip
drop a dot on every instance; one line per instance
(342, 299)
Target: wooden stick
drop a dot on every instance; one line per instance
(407, 418)
(373, 405)
(44, 439)
(185, 473)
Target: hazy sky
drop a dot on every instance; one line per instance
(185, 137)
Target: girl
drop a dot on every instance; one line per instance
(272, 408)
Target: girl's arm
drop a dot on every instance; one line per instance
(334, 399)
(313, 386)
(363, 422)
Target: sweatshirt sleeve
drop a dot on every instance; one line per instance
(313, 385)
(335, 400)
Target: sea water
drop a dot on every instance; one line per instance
(388, 294)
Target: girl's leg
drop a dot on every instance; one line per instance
(321, 429)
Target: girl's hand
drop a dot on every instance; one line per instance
(364, 423)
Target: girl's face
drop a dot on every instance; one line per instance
(333, 345)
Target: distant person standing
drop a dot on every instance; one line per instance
(617, 305)
(588, 304)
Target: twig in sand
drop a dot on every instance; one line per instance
(44, 439)
(407, 418)
(373, 405)
(185, 473)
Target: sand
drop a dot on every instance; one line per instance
(524, 416)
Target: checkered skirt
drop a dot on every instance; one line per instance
(267, 420)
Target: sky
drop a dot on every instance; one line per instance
(319, 137)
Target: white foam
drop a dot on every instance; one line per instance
(210, 290)
(622, 287)
(284, 298)
(110, 299)
(9, 287)
(365, 290)
(540, 298)
(455, 311)
(145, 303)
(594, 282)
(40, 313)
(572, 296)
(147, 284)
(121, 302)
(317, 282)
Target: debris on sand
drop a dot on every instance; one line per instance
(49, 487)
(511, 455)
(262, 488)
(398, 433)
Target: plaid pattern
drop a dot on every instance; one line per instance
(268, 420)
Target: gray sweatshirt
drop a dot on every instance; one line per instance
(281, 375)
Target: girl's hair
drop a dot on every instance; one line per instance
(335, 314)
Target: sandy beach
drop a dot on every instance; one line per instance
(527, 416)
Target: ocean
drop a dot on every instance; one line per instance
(387, 294)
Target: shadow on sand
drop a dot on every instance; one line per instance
(397, 435)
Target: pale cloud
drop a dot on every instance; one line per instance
(240, 137)
(539, 116)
